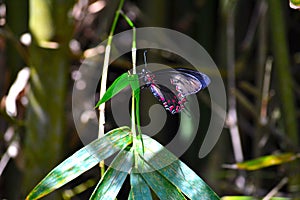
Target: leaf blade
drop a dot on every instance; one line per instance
(119, 84)
(114, 177)
(265, 161)
(176, 171)
(155, 180)
(81, 161)
(139, 189)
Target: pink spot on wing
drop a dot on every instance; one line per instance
(171, 108)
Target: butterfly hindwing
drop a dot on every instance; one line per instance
(169, 100)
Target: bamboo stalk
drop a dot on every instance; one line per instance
(282, 68)
(101, 108)
(45, 114)
(232, 114)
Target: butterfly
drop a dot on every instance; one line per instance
(172, 86)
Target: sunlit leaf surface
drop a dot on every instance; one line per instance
(83, 160)
(175, 171)
(114, 177)
(264, 161)
(295, 2)
(139, 189)
(162, 187)
(119, 84)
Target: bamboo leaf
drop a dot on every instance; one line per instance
(114, 177)
(119, 84)
(162, 187)
(264, 161)
(139, 189)
(134, 83)
(130, 196)
(295, 2)
(176, 171)
(82, 160)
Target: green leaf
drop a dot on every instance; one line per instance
(134, 82)
(119, 84)
(83, 160)
(176, 171)
(114, 177)
(130, 196)
(264, 161)
(295, 2)
(139, 189)
(162, 187)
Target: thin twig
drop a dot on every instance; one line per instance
(232, 114)
(265, 91)
(259, 10)
(275, 190)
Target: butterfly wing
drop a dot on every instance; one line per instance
(169, 100)
(193, 75)
(171, 86)
(185, 81)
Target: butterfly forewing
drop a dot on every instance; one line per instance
(184, 83)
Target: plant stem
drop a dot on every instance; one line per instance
(49, 63)
(104, 78)
(133, 51)
(133, 108)
(232, 113)
(282, 68)
(135, 115)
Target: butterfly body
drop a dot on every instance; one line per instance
(171, 86)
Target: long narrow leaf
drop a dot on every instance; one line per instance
(139, 189)
(130, 196)
(264, 161)
(162, 187)
(114, 177)
(176, 171)
(82, 160)
(119, 84)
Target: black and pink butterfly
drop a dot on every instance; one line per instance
(171, 86)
